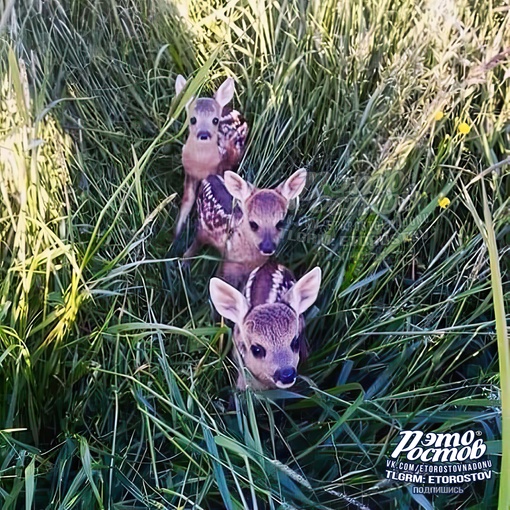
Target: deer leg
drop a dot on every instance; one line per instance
(194, 248)
(192, 251)
(188, 200)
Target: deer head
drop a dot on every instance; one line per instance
(264, 210)
(204, 114)
(268, 322)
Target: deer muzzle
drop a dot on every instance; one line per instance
(267, 246)
(285, 377)
(204, 135)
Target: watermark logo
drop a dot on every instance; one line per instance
(439, 463)
(357, 194)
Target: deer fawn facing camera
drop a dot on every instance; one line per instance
(269, 326)
(216, 141)
(245, 234)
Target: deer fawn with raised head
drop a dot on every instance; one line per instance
(215, 143)
(269, 324)
(245, 234)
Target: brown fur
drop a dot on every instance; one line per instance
(247, 236)
(215, 142)
(268, 317)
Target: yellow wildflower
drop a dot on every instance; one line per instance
(464, 128)
(443, 202)
(438, 115)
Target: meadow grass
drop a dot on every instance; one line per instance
(116, 387)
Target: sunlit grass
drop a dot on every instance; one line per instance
(117, 384)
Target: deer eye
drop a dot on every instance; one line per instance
(254, 226)
(280, 225)
(215, 121)
(294, 345)
(193, 120)
(258, 351)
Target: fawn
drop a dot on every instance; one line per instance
(216, 142)
(269, 326)
(245, 234)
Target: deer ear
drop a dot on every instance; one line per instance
(303, 293)
(237, 186)
(180, 83)
(293, 186)
(225, 93)
(227, 300)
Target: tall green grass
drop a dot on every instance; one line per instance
(117, 387)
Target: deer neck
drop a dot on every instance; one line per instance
(201, 158)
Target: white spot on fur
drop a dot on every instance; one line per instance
(277, 279)
(249, 283)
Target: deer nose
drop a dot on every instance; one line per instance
(203, 135)
(286, 375)
(267, 247)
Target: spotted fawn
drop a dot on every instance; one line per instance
(215, 143)
(243, 223)
(268, 322)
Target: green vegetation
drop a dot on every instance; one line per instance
(115, 388)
